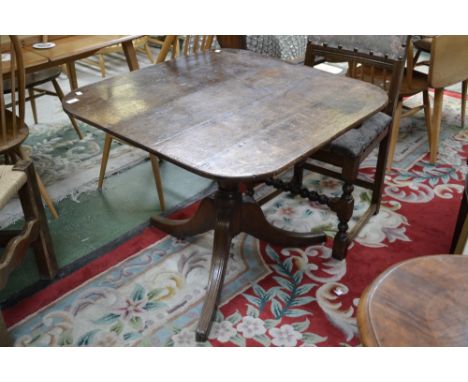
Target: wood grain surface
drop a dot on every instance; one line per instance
(419, 302)
(227, 115)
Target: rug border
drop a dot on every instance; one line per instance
(87, 260)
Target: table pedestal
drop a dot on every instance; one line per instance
(228, 213)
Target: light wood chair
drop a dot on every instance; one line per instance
(141, 44)
(448, 65)
(413, 82)
(35, 79)
(21, 179)
(424, 44)
(13, 130)
(154, 165)
(378, 54)
(190, 45)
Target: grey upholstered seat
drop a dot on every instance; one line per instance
(356, 141)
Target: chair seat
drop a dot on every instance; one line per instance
(35, 78)
(419, 83)
(10, 183)
(12, 140)
(424, 44)
(355, 141)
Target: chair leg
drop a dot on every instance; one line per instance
(298, 176)
(463, 102)
(33, 209)
(379, 177)
(71, 73)
(32, 100)
(343, 207)
(167, 44)
(5, 338)
(427, 116)
(102, 65)
(104, 160)
(43, 191)
(416, 56)
(46, 197)
(395, 128)
(176, 47)
(149, 53)
(60, 96)
(157, 178)
(435, 124)
(462, 222)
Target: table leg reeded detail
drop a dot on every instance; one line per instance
(228, 213)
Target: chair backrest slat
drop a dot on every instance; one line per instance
(13, 93)
(192, 45)
(2, 105)
(195, 44)
(208, 42)
(372, 75)
(13, 73)
(366, 56)
(203, 43)
(187, 44)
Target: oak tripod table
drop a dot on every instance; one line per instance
(235, 117)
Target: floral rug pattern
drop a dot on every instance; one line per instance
(68, 165)
(272, 296)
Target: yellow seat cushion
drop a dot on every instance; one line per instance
(10, 182)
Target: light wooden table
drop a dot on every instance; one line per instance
(69, 49)
(233, 116)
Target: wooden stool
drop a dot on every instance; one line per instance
(419, 302)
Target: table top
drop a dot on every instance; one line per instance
(230, 115)
(31, 60)
(419, 302)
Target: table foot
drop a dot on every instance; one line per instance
(224, 232)
(203, 221)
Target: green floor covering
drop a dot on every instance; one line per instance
(98, 218)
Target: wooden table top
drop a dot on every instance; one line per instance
(227, 115)
(76, 47)
(419, 302)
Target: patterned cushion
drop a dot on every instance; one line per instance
(286, 47)
(391, 46)
(10, 182)
(355, 141)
